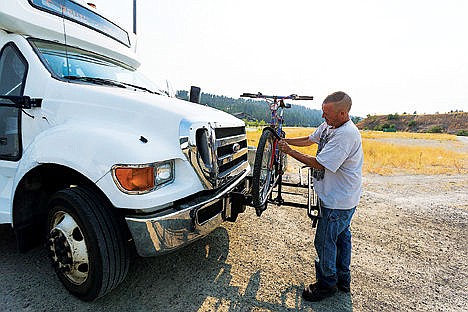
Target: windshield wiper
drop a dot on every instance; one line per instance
(95, 80)
(109, 82)
(139, 87)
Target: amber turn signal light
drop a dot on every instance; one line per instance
(135, 179)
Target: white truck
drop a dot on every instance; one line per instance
(97, 162)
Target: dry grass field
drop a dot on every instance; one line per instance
(389, 153)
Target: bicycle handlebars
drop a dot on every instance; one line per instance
(303, 97)
(278, 97)
(250, 95)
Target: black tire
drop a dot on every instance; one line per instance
(263, 177)
(97, 257)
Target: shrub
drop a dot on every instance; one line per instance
(435, 129)
(384, 127)
(462, 133)
(412, 123)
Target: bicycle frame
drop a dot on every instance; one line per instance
(276, 123)
(263, 185)
(276, 103)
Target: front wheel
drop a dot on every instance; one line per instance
(264, 171)
(86, 243)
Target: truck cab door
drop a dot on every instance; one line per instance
(13, 72)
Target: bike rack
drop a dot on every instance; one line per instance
(313, 204)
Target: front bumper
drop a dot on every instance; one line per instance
(187, 221)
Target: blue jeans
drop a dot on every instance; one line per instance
(333, 245)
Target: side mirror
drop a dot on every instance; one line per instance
(195, 94)
(19, 101)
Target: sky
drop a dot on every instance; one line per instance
(391, 56)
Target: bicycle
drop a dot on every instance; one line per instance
(269, 162)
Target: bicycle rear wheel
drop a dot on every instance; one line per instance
(264, 172)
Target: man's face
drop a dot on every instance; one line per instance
(331, 114)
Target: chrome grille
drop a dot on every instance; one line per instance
(218, 154)
(231, 149)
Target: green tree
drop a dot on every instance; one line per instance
(297, 115)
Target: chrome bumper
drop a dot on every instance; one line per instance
(179, 226)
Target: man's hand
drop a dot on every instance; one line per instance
(310, 161)
(284, 147)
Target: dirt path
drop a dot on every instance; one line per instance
(410, 253)
(459, 145)
(464, 140)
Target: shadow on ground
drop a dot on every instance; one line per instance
(196, 278)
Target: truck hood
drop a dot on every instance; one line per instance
(158, 108)
(136, 112)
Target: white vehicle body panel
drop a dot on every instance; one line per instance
(89, 128)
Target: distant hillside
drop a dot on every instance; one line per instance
(454, 123)
(254, 110)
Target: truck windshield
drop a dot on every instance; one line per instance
(75, 64)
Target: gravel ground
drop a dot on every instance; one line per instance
(410, 250)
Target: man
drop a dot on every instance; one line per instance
(337, 172)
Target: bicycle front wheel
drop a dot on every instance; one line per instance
(263, 177)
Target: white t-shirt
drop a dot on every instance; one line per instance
(341, 155)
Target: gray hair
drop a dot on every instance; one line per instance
(340, 99)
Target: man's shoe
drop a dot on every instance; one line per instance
(344, 288)
(316, 292)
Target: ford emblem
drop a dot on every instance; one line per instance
(235, 147)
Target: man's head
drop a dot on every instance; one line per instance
(336, 108)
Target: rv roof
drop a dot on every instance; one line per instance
(75, 12)
(68, 22)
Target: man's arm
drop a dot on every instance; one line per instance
(301, 141)
(308, 160)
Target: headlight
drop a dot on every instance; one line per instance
(140, 179)
(164, 172)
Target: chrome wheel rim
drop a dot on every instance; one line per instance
(67, 248)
